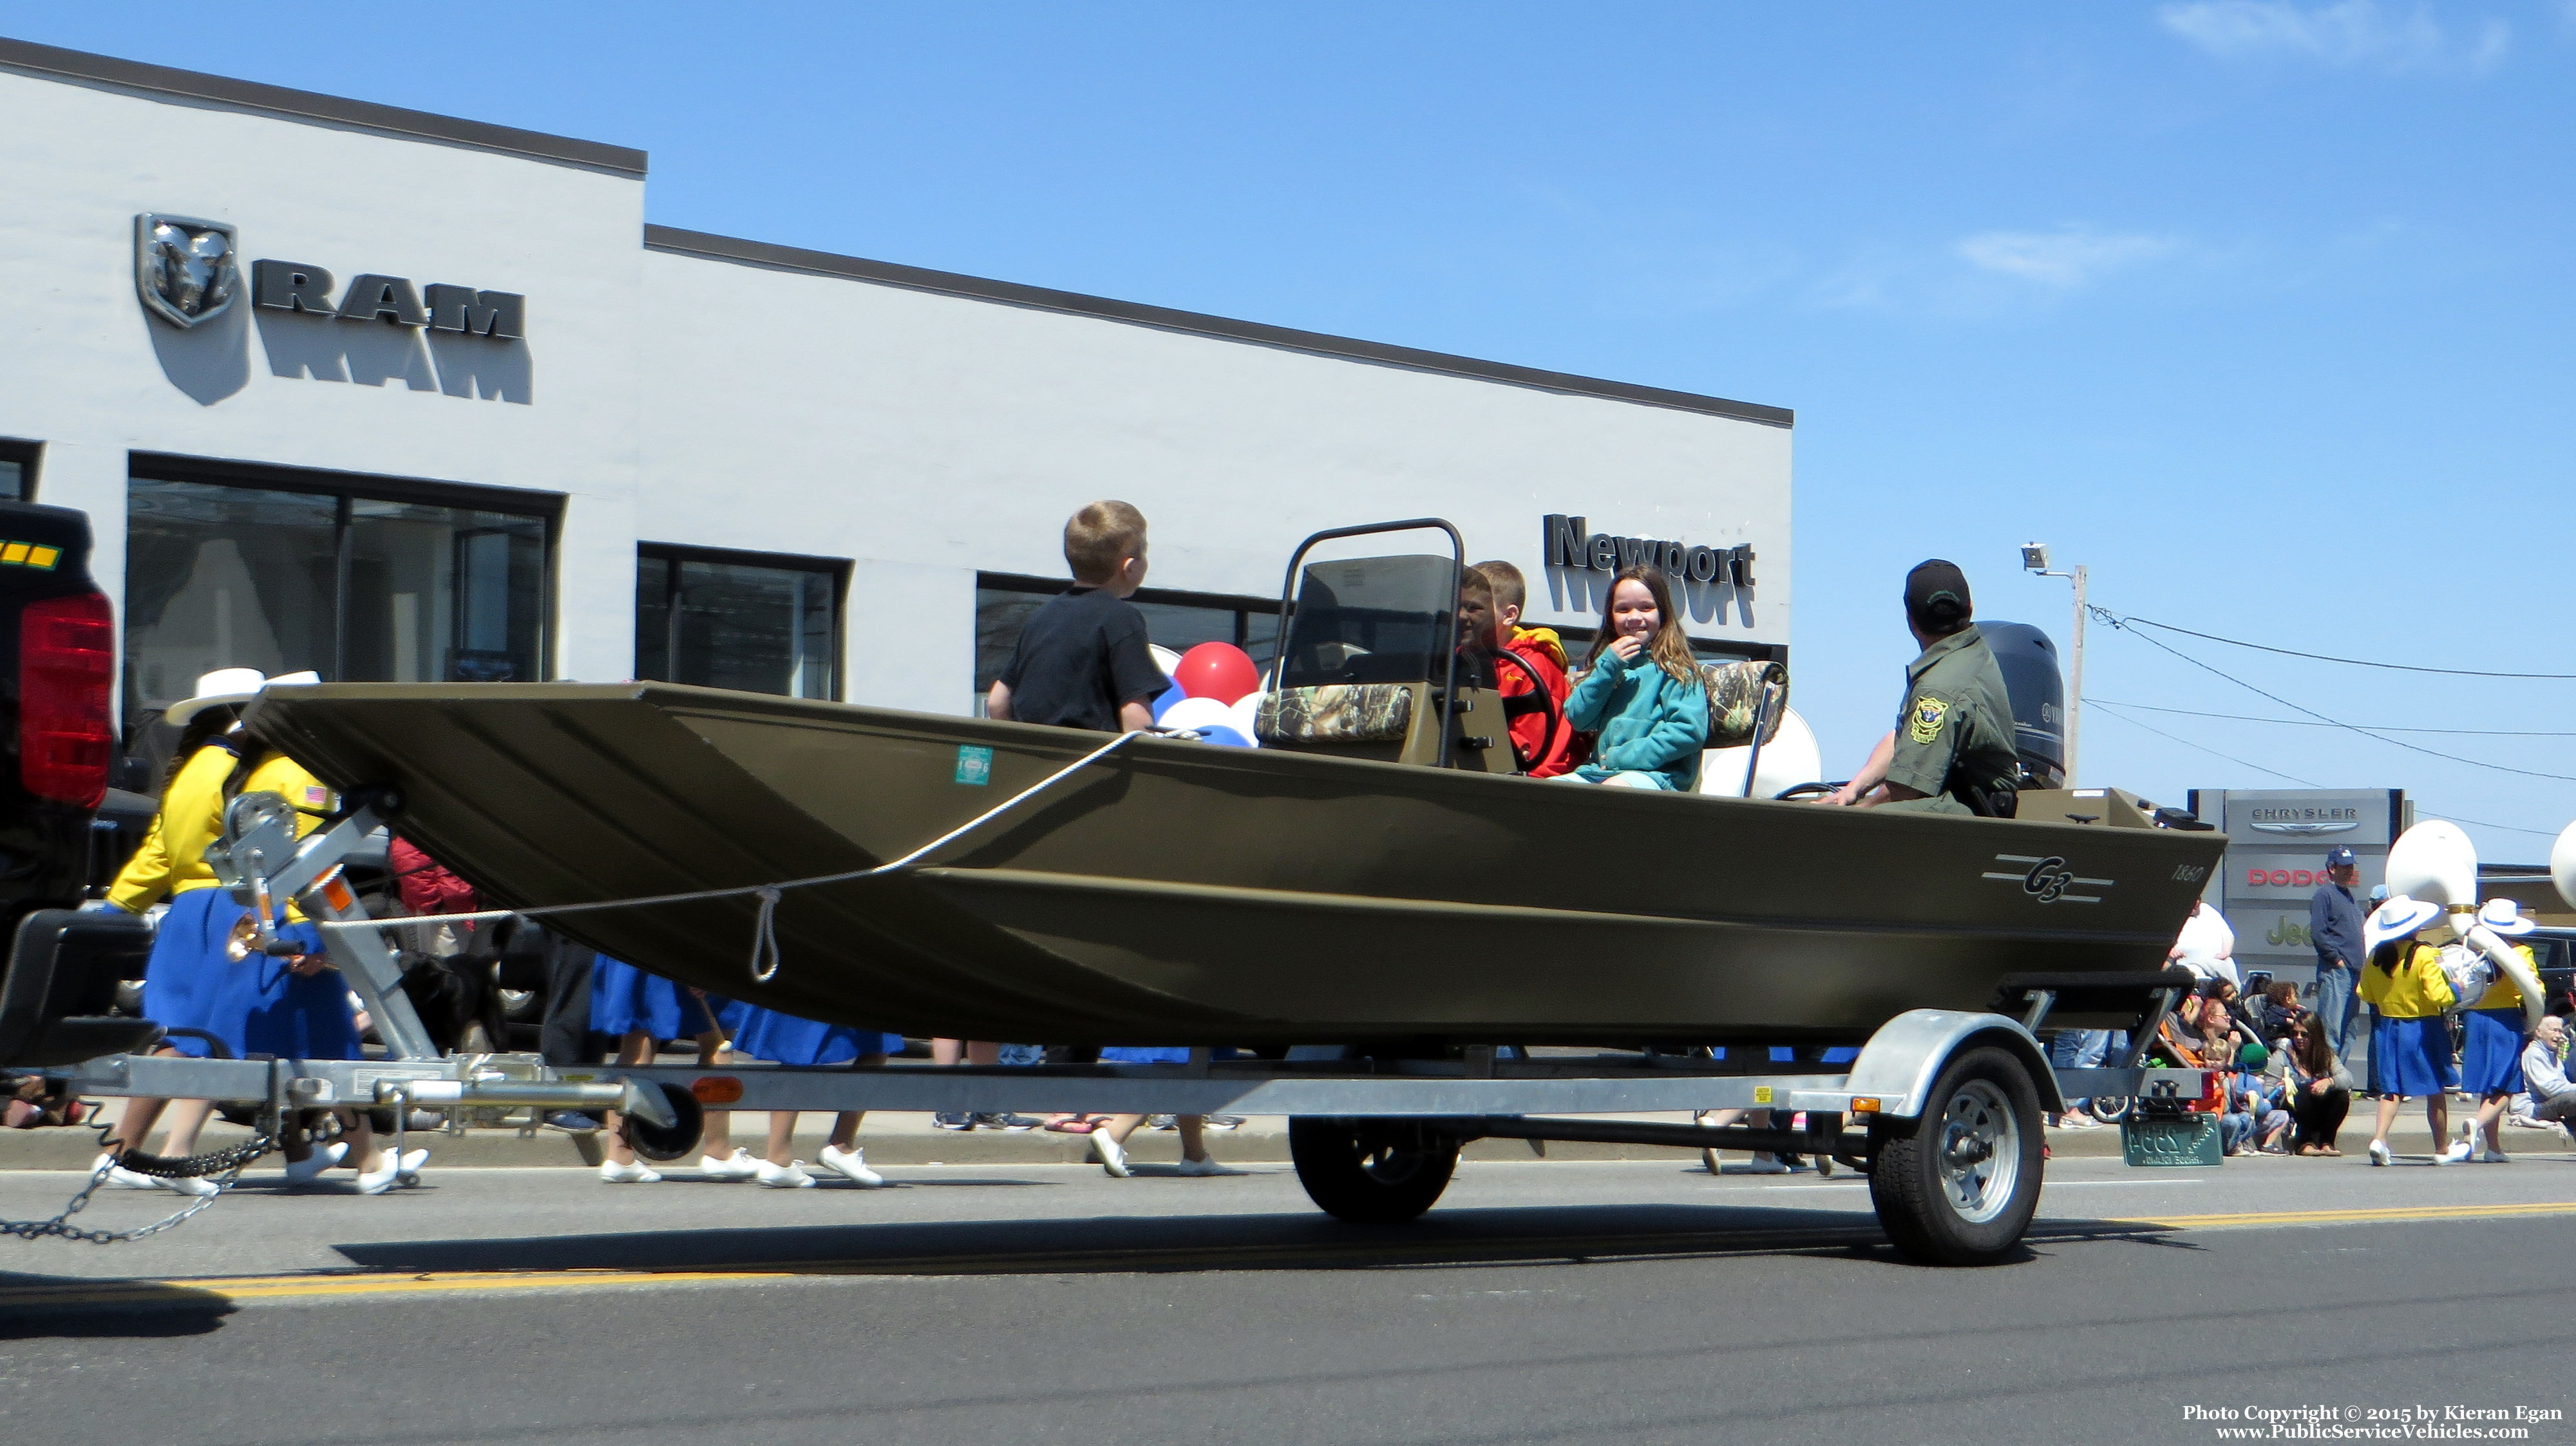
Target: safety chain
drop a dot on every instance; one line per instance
(60, 1227)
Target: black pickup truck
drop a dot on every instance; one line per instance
(57, 743)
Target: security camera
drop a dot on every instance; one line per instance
(2034, 556)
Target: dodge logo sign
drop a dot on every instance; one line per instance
(184, 267)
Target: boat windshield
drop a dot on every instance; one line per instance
(1370, 620)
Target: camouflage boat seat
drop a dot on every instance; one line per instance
(1735, 696)
(1336, 713)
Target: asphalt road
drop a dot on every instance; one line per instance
(1632, 1302)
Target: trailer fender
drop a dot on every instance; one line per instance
(1901, 1060)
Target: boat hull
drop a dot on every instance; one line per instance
(1176, 892)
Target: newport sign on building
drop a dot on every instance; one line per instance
(359, 428)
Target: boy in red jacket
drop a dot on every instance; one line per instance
(1539, 733)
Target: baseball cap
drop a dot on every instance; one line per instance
(1937, 592)
(2339, 858)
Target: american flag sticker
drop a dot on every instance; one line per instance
(316, 796)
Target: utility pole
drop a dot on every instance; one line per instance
(2075, 684)
(2034, 558)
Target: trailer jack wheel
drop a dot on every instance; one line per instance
(1371, 1171)
(668, 1142)
(1961, 1187)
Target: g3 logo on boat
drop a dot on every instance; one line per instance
(2048, 879)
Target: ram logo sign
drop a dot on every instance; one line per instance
(297, 286)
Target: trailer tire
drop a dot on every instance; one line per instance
(1371, 1171)
(660, 1143)
(1961, 1186)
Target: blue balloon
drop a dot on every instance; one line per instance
(1163, 704)
(1224, 737)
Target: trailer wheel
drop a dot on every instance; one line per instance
(1371, 1172)
(1961, 1187)
(659, 1142)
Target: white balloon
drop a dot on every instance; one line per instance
(2435, 862)
(1198, 713)
(1245, 710)
(2562, 866)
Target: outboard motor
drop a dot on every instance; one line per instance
(2029, 662)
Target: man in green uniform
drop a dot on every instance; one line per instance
(1952, 748)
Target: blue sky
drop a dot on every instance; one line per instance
(2259, 308)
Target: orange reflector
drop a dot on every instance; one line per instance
(716, 1089)
(335, 892)
(1864, 1105)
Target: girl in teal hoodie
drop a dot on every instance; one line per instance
(1642, 692)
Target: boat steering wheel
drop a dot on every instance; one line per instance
(1546, 704)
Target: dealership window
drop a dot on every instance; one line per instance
(1179, 621)
(755, 622)
(18, 470)
(284, 571)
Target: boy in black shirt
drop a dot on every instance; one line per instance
(1081, 661)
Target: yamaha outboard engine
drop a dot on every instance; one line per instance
(2029, 663)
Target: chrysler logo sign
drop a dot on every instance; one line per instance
(2304, 822)
(184, 267)
(187, 273)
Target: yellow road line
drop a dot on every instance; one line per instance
(2342, 1217)
(210, 1290)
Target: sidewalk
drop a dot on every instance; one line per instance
(909, 1139)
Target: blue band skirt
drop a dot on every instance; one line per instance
(2491, 1056)
(624, 999)
(1146, 1054)
(187, 957)
(788, 1039)
(255, 1006)
(2412, 1056)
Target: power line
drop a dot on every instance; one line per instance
(2309, 723)
(2122, 624)
(2187, 743)
(2276, 773)
(2353, 662)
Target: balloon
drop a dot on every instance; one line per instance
(1220, 671)
(1246, 710)
(1225, 737)
(1198, 713)
(1163, 702)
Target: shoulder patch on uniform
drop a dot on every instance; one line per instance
(1929, 714)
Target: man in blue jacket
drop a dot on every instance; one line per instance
(2334, 927)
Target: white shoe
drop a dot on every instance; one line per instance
(1112, 1158)
(851, 1165)
(407, 1165)
(1759, 1167)
(382, 1178)
(1207, 1166)
(2495, 1157)
(627, 1172)
(196, 1185)
(310, 1168)
(125, 1179)
(2379, 1152)
(2456, 1155)
(790, 1176)
(740, 1165)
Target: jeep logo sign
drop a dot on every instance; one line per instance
(295, 286)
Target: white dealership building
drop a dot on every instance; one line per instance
(397, 396)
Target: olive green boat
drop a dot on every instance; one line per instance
(1336, 885)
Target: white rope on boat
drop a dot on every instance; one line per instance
(764, 948)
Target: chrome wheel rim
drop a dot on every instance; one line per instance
(1980, 1152)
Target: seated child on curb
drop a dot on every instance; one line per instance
(1081, 661)
(1549, 754)
(1643, 691)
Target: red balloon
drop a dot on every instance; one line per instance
(1217, 670)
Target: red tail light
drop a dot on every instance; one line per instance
(66, 661)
